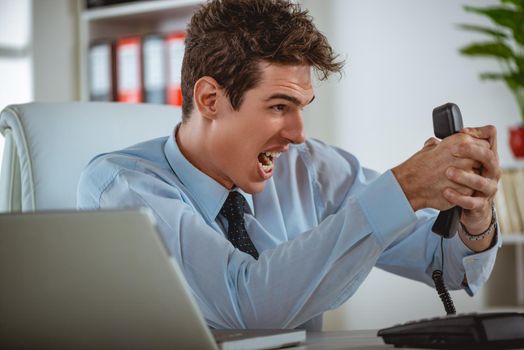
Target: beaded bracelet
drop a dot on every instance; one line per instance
(489, 231)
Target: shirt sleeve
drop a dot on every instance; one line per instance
(421, 253)
(287, 285)
(413, 255)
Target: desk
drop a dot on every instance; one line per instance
(364, 339)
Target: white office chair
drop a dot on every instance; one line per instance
(48, 144)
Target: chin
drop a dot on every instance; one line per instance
(253, 188)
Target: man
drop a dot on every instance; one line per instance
(272, 229)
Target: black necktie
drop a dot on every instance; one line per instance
(233, 211)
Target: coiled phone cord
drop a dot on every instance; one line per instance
(442, 291)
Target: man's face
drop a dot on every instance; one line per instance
(244, 145)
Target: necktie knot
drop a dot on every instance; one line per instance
(233, 208)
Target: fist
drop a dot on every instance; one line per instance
(426, 177)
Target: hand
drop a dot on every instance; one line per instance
(476, 213)
(423, 176)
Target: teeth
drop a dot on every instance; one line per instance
(273, 154)
(269, 158)
(267, 168)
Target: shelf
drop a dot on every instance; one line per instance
(512, 164)
(503, 309)
(140, 8)
(138, 18)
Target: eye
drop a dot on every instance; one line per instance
(279, 108)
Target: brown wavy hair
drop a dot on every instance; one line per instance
(226, 39)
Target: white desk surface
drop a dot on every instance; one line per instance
(363, 339)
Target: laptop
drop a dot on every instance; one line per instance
(101, 280)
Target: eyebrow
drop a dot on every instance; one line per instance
(289, 98)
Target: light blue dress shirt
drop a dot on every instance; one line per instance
(320, 225)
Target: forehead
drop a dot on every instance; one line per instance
(294, 80)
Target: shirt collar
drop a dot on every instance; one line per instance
(209, 194)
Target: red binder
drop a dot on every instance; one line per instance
(175, 55)
(129, 69)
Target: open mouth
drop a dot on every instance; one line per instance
(266, 160)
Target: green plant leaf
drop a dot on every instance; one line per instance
(512, 83)
(512, 18)
(489, 49)
(484, 30)
(508, 47)
(517, 3)
(502, 16)
(513, 80)
(518, 78)
(492, 76)
(519, 61)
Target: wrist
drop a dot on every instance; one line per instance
(477, 222)
(488, 232)
(405, 181)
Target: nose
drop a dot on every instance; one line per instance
(294, 128)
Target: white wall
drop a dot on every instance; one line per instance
(38, 52)
(402, 61)
(15, 54)
(55, 47)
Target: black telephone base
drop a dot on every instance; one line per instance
(499, 331)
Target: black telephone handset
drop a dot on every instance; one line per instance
(447, 120)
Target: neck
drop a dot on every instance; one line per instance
(192, 140)
(187, 138)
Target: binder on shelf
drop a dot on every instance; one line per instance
(518, 183)
(514, 221)
(501, 208)
(129, 69)
(154, 59)
(175, 54)
(101, 68)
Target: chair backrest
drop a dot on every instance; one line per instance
(47, 145)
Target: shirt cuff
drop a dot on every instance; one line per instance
(477, 266)
(386, 207)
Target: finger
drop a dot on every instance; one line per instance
(465, 138)
(483, 155)
(463, 190)
(484, 132)
(465, 202)
(488, 132)
(471, 180)
(467, 164)
(431, 142)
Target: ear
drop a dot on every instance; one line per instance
(206, 94)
